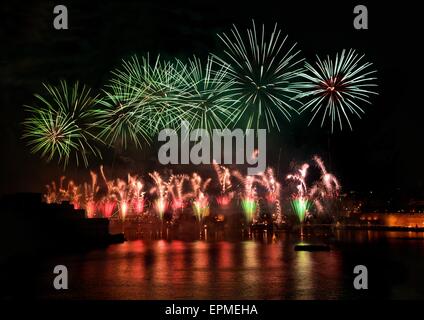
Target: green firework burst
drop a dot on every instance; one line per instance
(264, 70)
(300, 207)
(161, 86)
(60, 124)
(124, 115)
(206, 99)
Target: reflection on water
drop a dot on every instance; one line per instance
(265, 268)
(365, 236)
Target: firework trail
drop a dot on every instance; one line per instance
(300, 177)
(110, 202)
(301, 200)
(71, 193)
(249, 198)
(320, 193)
(176, 190)
(78, 196)
(74, 194)
(301, 206)
(325, 190)
(107, 207)
(161, 189)
(267, 179)
(122, 191)
(329, 181)
(201, 200)
(128, 197)
(90, 192)
(51, 195)
(136, 194)
(224, 179)
(336, 88)
(201, 206)
(117, 196)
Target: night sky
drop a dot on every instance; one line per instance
(383, 152)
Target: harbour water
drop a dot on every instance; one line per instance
(264, 266)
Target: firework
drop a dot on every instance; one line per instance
(60, 125)
(201, 206)
(264, 70)
(125, 196)
(107, 207)
(111, 200)
(321, 193)
(224, 200)
(160, 86)
(336, 88)
(161, 189)
(176, 191)
(136, 193)
(79, 196)
(55, 194)
(325, 190)
(249, 206)
(123, 115)
(198, 185)
(90, 191)
(123, 209)
(249, 198)
(300, 177)
(201, 200)
(329, 181)
(90, 209)
(301, 207)
(122, 191)
(207, 99)
(224, 178)
(301, 202)
(268, 180)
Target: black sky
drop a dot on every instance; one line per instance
(383, 152)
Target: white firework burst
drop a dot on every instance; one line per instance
(337, 88)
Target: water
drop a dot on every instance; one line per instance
(265, 267)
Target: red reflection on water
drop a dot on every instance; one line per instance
(225, 255)
(177, 264)
(201, 264)
(265, 269)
